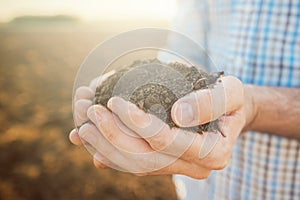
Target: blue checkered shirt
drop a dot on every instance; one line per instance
(259, 42)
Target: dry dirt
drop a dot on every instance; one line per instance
(155, 86)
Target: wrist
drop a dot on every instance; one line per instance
(250, 106)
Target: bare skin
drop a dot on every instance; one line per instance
(247, 107)
(277, 110)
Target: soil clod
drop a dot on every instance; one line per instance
(155, 86)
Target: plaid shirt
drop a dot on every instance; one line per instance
(259, 42)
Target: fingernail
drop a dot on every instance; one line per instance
(184, 114)
(114, 102)
(134, 110)
(110, 103)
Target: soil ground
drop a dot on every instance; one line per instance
(36, 159)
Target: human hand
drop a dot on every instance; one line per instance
(204, 106)
(123, 138)
(82, 100)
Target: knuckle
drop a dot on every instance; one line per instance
(109, 130)
(161, 137)
(138, 117)
(158, 143)
(109, 135)
(200, 96)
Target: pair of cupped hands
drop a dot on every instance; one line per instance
(127, 139)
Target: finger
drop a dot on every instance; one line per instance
(188, 146)
(140, 157)
(161, 138)
(91, 135)
(74, 137)
(103, 162)
(107, 124)
(83, 96)
(80, 111)
(135, 158)
(119, 160)
(207, 105)
(99, 161)
(83, 92)
(146, 125)
(124, 128)
(182, 167)
(210, 140)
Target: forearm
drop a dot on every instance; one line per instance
(274, 110)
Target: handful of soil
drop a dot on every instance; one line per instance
(155, 86)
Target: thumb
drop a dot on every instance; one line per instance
(206, 105)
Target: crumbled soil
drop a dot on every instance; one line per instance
(155, 86)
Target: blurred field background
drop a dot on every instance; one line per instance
(41, 50)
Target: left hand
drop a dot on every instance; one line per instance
(128, 139)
